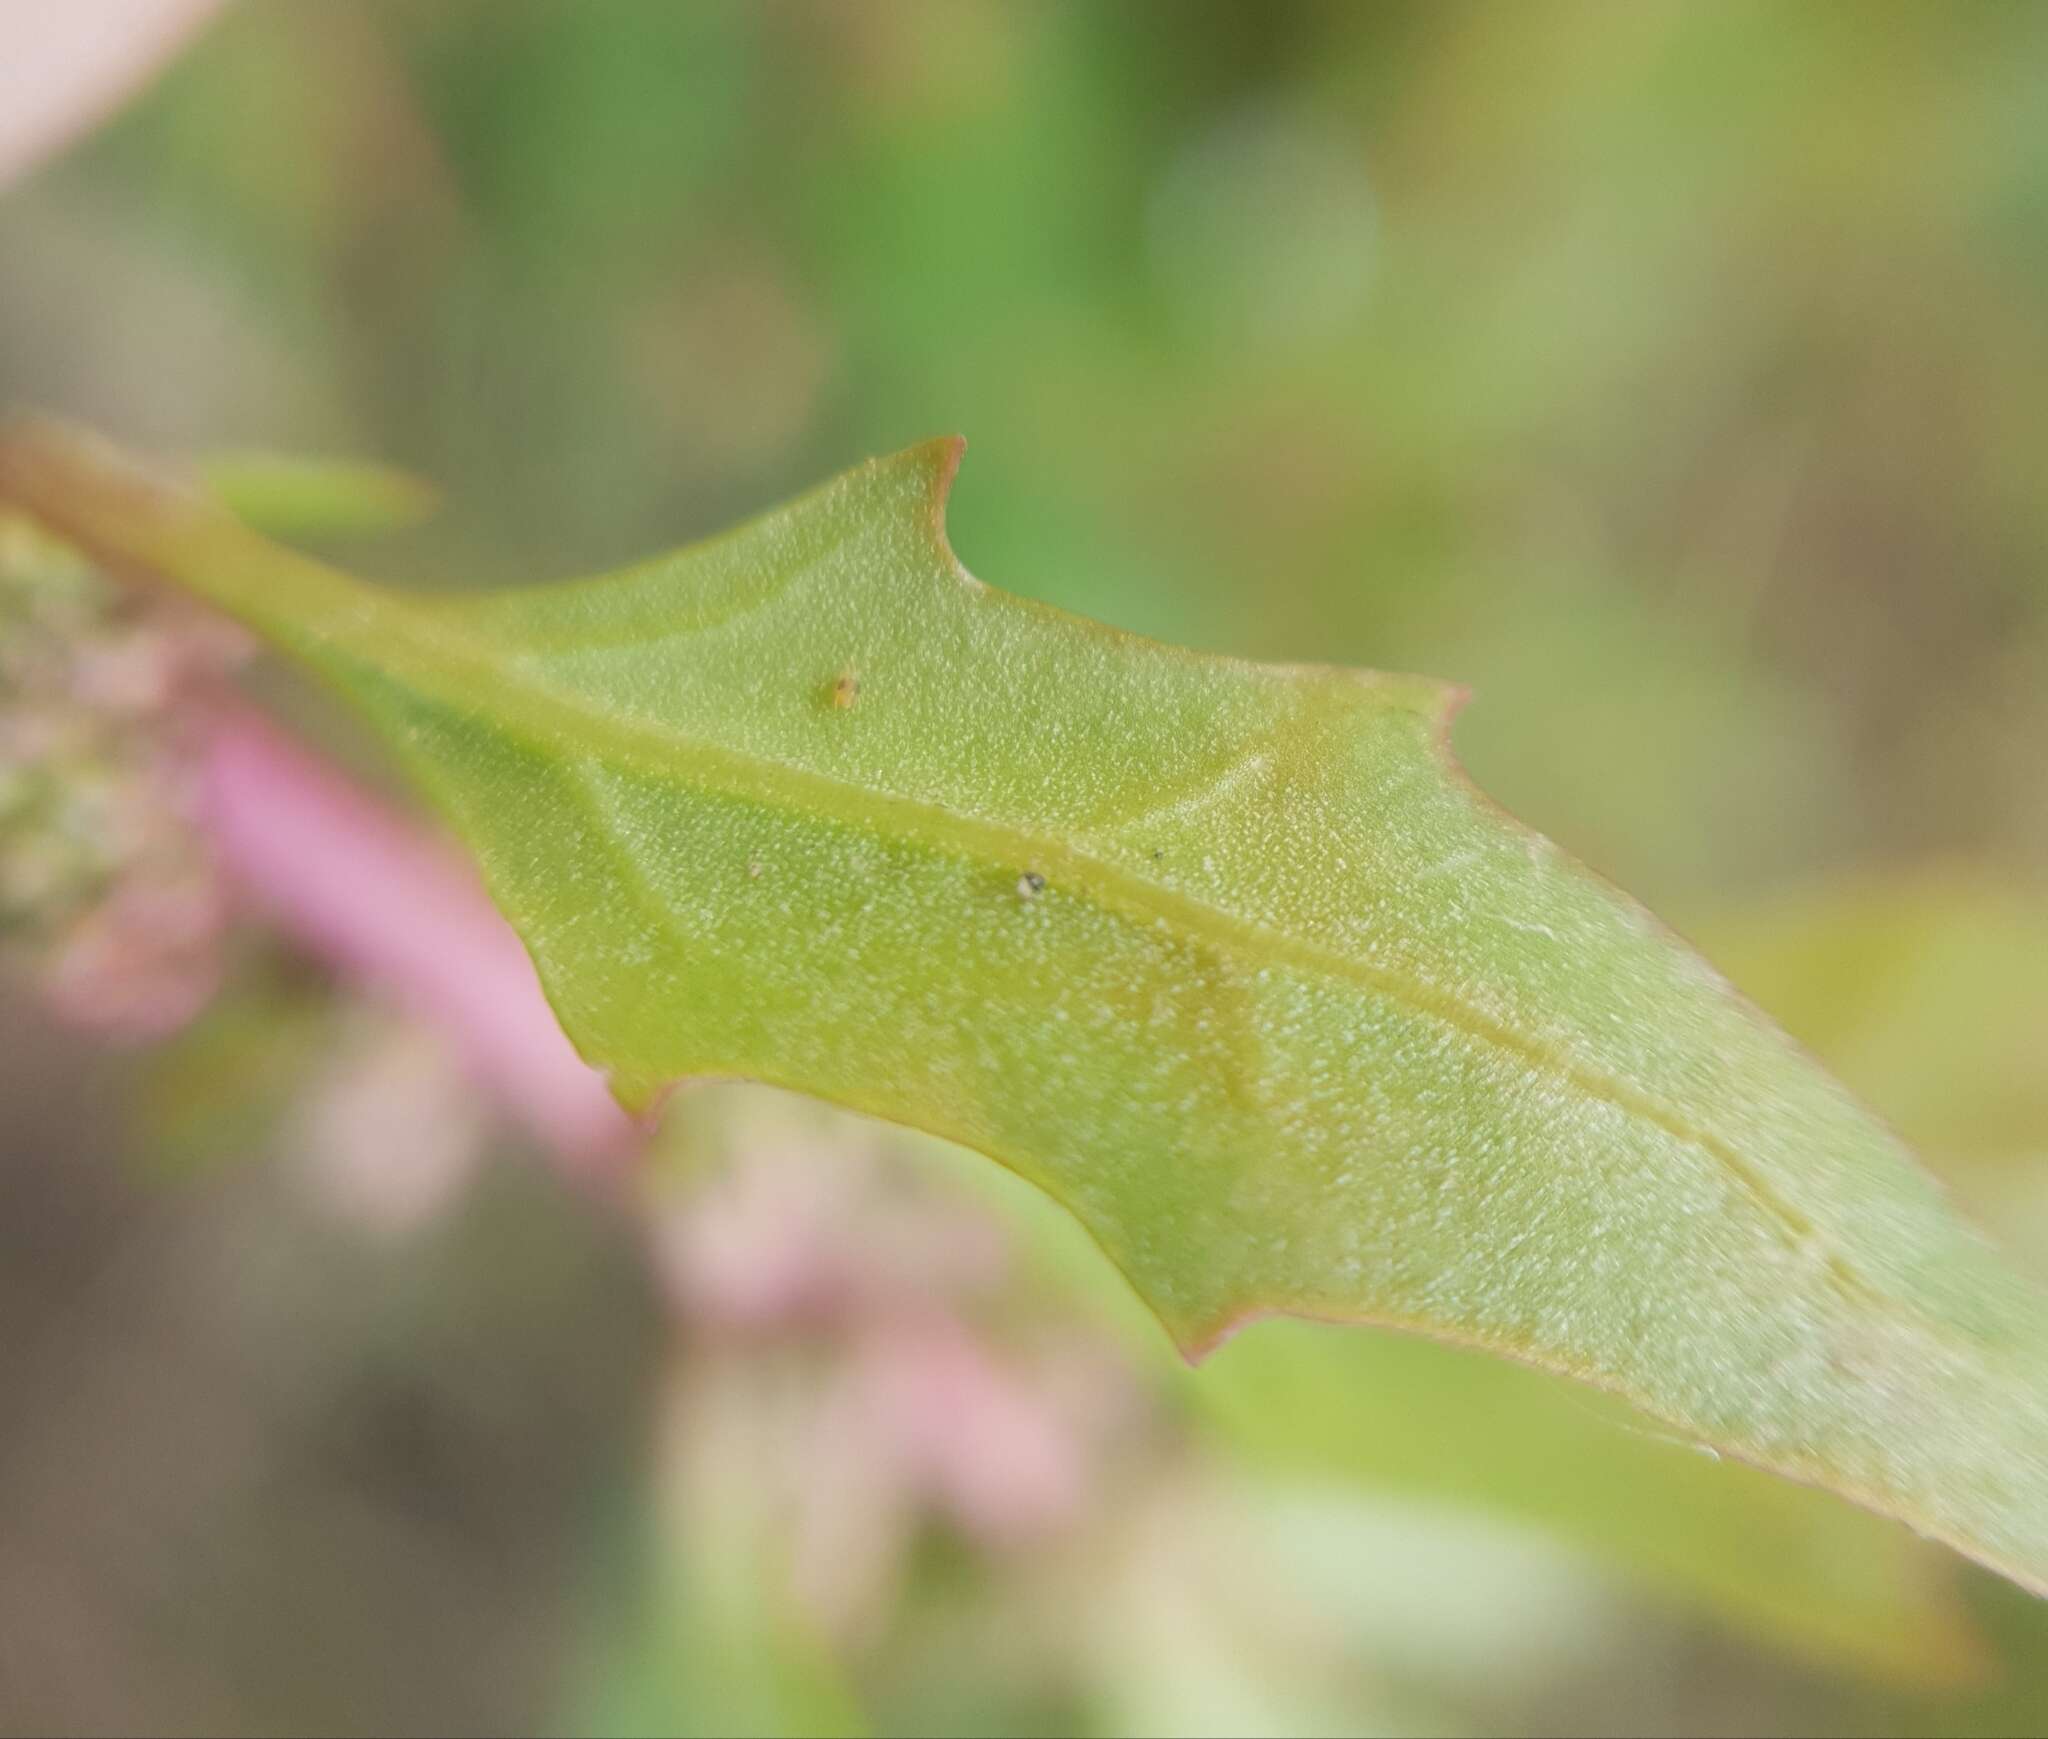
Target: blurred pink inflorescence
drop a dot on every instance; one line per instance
(110, 893)
(141, 809)
(379, 900)
(867, 1335)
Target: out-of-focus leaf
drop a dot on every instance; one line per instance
(312, 498)
(1227, 957)
(706, 1644)
(1403, 1417)
(1928, 992)
(1401, 1414)
(210, 1092)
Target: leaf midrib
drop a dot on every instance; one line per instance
(450, 668)
(327, 617)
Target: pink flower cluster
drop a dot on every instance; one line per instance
(866, 1333)
(109, 891)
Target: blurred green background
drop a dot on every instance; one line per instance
(1673, 374)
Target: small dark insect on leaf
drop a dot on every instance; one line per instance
(845, 688)
(1030, 885)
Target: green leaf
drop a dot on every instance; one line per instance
(1399, 1414)
(1229, 958)
(1400, 1418)
(1928, 990)
(313, 498)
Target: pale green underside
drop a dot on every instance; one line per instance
(1296, 1022)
